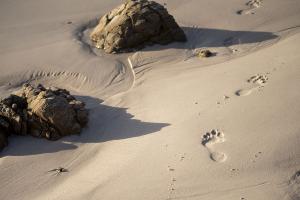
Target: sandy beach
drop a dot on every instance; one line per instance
(164, 124)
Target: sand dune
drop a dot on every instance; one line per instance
(150, 109)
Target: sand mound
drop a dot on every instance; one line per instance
(134, 24)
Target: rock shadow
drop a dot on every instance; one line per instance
(106, 123)
(206, 38)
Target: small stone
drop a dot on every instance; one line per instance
(14, 106)
(204, 54)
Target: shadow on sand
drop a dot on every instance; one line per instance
(205, 37)
(106, 123)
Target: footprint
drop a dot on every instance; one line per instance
(258, 80)
(252, 5)
(211, 138)
(218, 156)
(244, 92)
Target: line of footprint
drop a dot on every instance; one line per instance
(215, 136)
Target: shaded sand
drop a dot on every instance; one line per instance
(150, 109)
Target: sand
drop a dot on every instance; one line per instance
(150, 110)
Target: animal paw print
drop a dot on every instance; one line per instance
(213, 137)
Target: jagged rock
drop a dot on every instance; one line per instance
(50, 113)
(134, 24)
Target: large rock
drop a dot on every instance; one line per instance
(41, 112)
(134, 24)
(53, 112)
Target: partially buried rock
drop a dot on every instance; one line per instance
(204, 53)
(41, 112)
(135, 24)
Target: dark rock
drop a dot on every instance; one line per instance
(134, 24)
(3, 138)
(12, 117)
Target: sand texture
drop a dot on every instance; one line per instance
(164, 122)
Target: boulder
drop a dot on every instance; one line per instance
(50, 113)
(135, 24)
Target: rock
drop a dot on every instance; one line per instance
(14, 106)
(14, 101)
(4, 130)
(82, 116)
(76, 104)
(56, 111)
(204, 53)
(49, 113)
(3, 139)
(134, 24)
(3, 123)
(13, 118)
